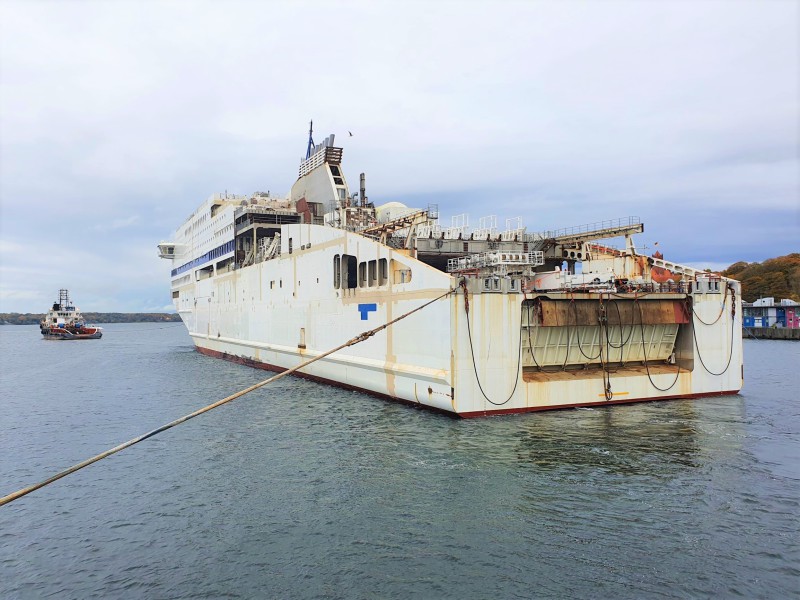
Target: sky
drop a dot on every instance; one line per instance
(117, 119)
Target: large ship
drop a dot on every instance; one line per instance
(512, 321)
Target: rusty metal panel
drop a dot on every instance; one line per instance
(617, 311)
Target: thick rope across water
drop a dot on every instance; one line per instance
(356, 340)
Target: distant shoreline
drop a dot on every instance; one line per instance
(93, 317)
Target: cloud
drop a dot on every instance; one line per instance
(116, 224)
(118, 119)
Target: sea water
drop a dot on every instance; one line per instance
(300, 490)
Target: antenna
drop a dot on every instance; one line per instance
(310, 139)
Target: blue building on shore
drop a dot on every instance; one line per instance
(766, 313)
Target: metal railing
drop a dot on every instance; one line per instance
(495, 259)
(587, 228)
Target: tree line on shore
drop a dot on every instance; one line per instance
(92, 317)
(777, 278)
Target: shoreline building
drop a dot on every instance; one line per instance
(766, 313)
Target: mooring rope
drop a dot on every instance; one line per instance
(356, 340)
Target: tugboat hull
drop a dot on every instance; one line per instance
(64, 334)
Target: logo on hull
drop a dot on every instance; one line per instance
(365, 309)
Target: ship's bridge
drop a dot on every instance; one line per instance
(169, 249)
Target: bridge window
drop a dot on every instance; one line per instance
(337, 272)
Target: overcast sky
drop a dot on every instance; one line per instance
(118, 118)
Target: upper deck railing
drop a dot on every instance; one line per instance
(323, 154)
(494, 259)
(589, 228)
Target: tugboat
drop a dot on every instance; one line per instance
(65, 322)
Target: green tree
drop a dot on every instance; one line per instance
(776, 277)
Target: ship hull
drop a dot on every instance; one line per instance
(69, 335)
(466, 415)
(468, 353)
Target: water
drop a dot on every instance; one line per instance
(304, 491)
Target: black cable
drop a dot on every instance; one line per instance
(719, 316)
(578, 334)
(730, 353)
(622, 328)
(569, 335)
(603, 319)
(530, 343)
(475, 368)
(644, 351)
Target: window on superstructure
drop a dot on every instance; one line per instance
(335, 170)
(349, 271)
(290, 245)
(337, 272)
(373, 273)
(402, 274)
(383, 271)
(342, 194)
(362, 274)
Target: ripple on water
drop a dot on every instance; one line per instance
(304, 491)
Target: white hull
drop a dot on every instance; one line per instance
(281, 312)
(274, 282)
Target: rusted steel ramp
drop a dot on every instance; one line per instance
(602, 230)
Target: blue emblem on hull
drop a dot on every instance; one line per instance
(365, 309)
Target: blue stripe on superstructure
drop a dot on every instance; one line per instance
(210, 255)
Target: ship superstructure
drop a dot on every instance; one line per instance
(532, 321)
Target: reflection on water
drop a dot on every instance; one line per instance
(650, 439)
(304, 491)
